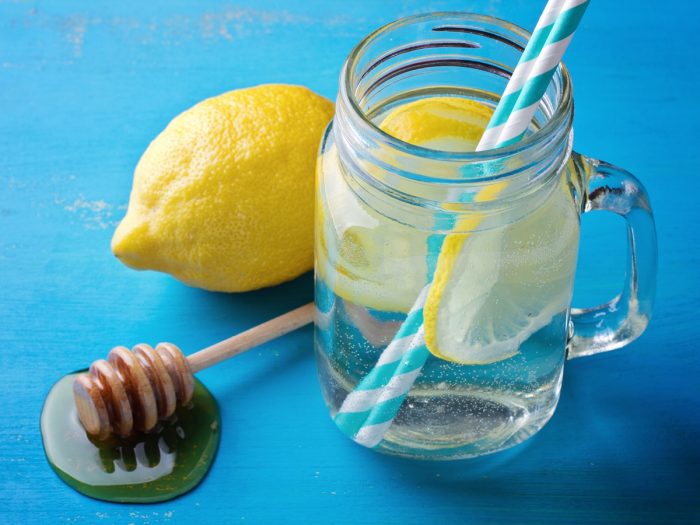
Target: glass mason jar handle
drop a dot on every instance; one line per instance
(624, 318)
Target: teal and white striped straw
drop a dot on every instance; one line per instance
(533, 73)
(369, 410)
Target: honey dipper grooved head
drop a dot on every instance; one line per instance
(132, 390)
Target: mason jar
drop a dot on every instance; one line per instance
(444, 277)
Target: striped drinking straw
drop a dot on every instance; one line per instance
(369, 410)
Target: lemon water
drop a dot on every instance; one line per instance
(498, 324)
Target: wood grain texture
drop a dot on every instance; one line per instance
(84, 86)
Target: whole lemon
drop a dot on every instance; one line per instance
(223, 197)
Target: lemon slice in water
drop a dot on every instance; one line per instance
(440, 123)
(376, 262)
(493, 289)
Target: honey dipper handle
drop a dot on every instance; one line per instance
(250, 338)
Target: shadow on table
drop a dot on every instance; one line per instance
(257, 305)
(607, 454)
(222, 315)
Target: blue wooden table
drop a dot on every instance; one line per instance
(84, 86)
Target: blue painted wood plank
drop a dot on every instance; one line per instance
(84, 87)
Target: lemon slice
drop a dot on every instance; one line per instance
(493, 289)
(364, 257)
(383, 278)
(440, 123)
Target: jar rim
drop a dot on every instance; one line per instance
(532, 141)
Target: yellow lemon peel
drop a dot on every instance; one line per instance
(223, 198)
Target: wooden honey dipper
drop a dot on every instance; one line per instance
(133, 390)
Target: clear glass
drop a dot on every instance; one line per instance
(385, 207)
